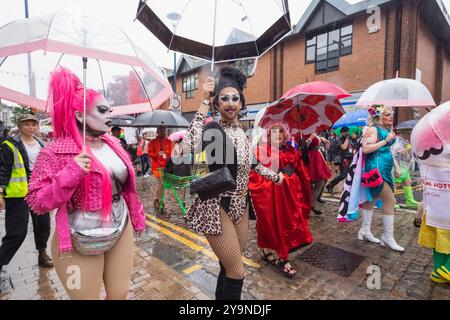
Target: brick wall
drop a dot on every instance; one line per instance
(427, 52)
(258, 86)
(257, 91)
(390, 31)
(372, 60)
(192, 104)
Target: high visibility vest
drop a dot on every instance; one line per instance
(18, 184)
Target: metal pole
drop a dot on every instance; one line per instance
(214, 35)
(175, 73)
(31, 83)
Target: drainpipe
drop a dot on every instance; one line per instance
(274, 70)
(397, 43)
(281, 69)
(398, 35)
(439, 80)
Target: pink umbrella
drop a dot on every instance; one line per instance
(176, 136)
(323, 87)
(130, 80)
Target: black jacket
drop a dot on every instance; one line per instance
(7, 160)
(228, 146)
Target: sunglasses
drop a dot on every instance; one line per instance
(234, 98)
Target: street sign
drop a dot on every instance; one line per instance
(175, 103)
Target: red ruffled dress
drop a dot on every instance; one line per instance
(282, 211)
(318, 168)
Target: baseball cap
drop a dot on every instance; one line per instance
(26, 117)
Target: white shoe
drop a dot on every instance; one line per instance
(364, 232)
(146, 175)
(387, 238)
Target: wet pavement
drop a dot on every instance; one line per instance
(173, 262)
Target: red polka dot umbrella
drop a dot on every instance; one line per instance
(304, 113)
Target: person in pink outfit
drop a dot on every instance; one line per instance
(93, 190)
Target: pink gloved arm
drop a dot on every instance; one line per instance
(139, 217)
(135, 207)
(50, 189)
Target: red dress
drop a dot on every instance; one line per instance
(318, 168)
(282, 211)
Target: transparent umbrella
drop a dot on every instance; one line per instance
(397, 92)
(123, 72)
(430, 138)
(217, 30)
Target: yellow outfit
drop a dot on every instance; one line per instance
(434, 238)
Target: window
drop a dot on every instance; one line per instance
(324, 49)
(311, 50)
(190, 84)
(346, 40)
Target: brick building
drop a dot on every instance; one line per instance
(352, 45)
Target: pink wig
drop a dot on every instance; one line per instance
(65, 98)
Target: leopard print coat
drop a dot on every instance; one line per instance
(204, 216)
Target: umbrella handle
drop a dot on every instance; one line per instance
(84, 99)
(214, 36)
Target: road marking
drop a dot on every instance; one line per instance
(190, 234)
(189, 270)
(191, 244)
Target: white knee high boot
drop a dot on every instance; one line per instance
(364, 232)
(388, 235)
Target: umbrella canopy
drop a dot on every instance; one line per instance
(258, 131)
(217, 30)
(160, 118)
(129, 79)
(398, 92)
(323, 87)
(430, 138)
(351, 129)
(407, 125)
(304, 113)
(122, 121)
(177, 135)
(356, 118)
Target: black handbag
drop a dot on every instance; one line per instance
(183, 169)
(213, 184)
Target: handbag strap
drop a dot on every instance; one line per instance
(378, 140)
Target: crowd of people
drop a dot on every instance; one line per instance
(92, 187)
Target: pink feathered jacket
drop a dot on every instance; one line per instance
(55, 184)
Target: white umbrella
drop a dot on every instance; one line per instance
(398, 92)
